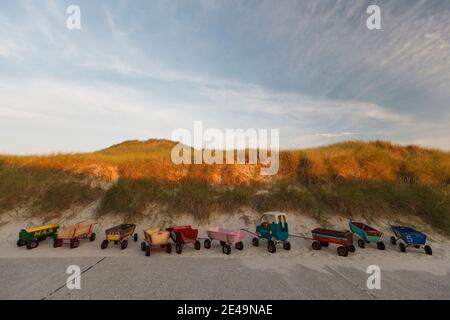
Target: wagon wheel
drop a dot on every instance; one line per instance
(32, 244)
(207, 244)
(57, 243)
(271, 247)
(135, 237)
(286, 245)
(393, 241)
(143, 246)
(104, 244)
(92, 237)
(226, 249)
(316, 245)
(428, 250)
(21, 243)
(324, 244)
(239, 245)
(169, 248)
(342, 251)
(178, 248)
(124, 244)
(255, 241)
(74, 243)
(361, 243)
(402, 247)
(147, 251)
(222, 243)
(351, 248)
(380, 245)
(197, 245)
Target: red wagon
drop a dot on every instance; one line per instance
(182, 235)
(323, 237)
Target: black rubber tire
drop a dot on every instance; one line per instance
(324, 244)
(428, 250)
(135, 237)
(255, 242)
(143, 246)
(197, 245)
(361, 243)
(178, 248)
(222, 243)
(104, 244)
(271, 247)
(287, 245)
(402, 247)
(32, 244)
(124, 244)
(74, 243)
(381, 246)
(393, 241)
(342, 251)
(351, 248)
(239, 245)
(92, 237)
(207, 244)
(21, 243)
(169, 248)
(55, 243)
(147, 251)
(316, 245)
(226, 249)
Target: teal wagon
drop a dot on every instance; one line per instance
(367, 234)
(274, 230)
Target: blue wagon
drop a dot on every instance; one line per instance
(409, 237)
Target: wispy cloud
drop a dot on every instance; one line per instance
(311, 69)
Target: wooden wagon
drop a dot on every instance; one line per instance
(155, 239)
(119, 234)
(74, 233)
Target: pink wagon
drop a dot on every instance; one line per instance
(226, 238)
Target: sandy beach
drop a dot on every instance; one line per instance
(130, 268)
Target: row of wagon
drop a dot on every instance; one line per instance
(272, 231)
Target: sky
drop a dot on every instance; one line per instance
(142, 69)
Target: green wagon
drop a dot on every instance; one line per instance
(32, 236)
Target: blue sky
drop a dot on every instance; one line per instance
(141, 69)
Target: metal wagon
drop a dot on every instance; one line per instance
(323, 237)
(32, 236)
(182, 235)
(409, 237)
(226, 238)
(366, 234)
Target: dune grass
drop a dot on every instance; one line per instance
(348, 178)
